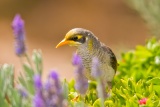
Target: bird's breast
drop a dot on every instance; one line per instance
(104, 62)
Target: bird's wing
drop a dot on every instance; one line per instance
(113, 60)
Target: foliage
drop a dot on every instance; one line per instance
(137, 78)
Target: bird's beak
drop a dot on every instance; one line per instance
(63, 42)
(66, 42)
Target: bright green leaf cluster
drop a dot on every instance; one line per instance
(138, 76)
(141, 63)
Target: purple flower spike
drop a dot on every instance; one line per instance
(81, 85)
(95, 68)
(18, 25)
(48, 94)
(18, 29)
(81, 81)
(47, 85)
(76, 59)
(38, 82)
(22, 91)
(38, 100)
(54, 75)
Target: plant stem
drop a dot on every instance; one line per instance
(100, 92)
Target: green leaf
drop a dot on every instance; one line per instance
(92, 85)
(28, 71)
(22, 80)
(65, 89)
(97, 103)
(73, 95)
(71, 86)
(109, 103)
(130, 83)
(37, 59)
(79, 104)
(142, 52)
(154, 81)
(27, 79)
(130, 103)
(124, 83)
(157, 89)
(124, 91)
(150, 88)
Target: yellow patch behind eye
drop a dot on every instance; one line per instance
(79, 36)
(90, 45)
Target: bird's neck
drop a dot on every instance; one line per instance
(89, 48)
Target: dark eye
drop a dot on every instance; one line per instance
(75, 38)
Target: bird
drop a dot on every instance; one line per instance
(88, 47)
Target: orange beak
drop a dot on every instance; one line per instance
(66, 42)
(63, 42)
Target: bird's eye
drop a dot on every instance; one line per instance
(75, 38)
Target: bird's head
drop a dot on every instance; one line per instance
(76, 37)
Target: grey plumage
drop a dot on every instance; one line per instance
(94, 48)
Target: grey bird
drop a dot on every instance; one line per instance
(88, 47)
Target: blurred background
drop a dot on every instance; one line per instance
(117, 23)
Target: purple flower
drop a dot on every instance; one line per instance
(38, 82)
(38, 100)
(55, 81)
(47, 85)
(81, 81)
(54, 75)
(54, 90)
(76, 59)
(50, 94)
(81, 85)
(18, 29)
(23, 92)
(96, 72)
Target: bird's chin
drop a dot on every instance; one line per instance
(76, 45)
